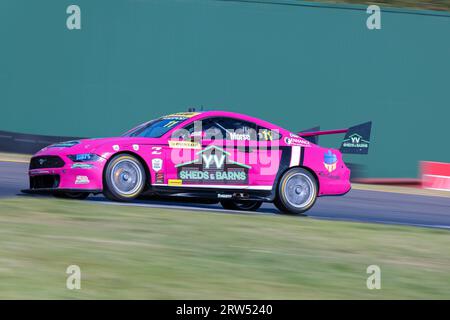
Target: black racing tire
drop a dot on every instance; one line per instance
(72, 195)
(297, 191)
(247, 205)
(124, 178)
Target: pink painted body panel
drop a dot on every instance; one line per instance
(335, 182)
(247, 172)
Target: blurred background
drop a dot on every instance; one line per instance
(294, 63)
(297, 64)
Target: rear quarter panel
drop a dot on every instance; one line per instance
(333, 176)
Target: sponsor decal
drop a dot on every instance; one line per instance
(330, 161)
(239, 136)
(184, 144)
(355, 141)
(174, 182)
(135, 147)
(81, 166)
(159, 177)
(182, 115)
(224, 196)
(265, 134)
(212, 166)
(157, 164)
(296, 141)
(81, 180)
(116, 147)
(156, 150)
(329, 175)
(172, 123)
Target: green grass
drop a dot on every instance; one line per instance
(143, 253)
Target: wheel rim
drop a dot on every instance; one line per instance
(299, 190)
(126, 177)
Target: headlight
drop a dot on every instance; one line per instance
(83, 157)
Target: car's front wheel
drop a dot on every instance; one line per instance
(297, 191)
(124, 178)
(246, 205)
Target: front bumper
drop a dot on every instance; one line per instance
(72, 177)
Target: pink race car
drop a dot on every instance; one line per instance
(233, 158)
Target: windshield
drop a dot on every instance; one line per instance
(155, 128)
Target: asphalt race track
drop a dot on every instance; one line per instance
(357, 205)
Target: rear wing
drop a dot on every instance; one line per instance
(356, 140)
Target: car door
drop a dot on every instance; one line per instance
(229, 152)
(252, 152)
(269, 156)
(220, 153)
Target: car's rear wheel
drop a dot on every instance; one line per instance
(124, 178)
(72, 195)
(297, 191)
(246, 205)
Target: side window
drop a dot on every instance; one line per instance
(212, 130)
(183, 133)
(208, 129)
(187, 132)
(220, 128)
(265, 134)
(236, 129)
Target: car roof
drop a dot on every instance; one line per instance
(219, 113)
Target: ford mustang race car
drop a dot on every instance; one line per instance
(231, 158)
